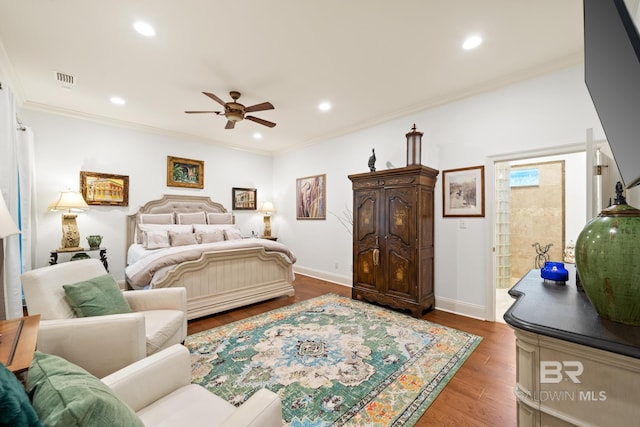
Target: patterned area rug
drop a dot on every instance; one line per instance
(333, 361)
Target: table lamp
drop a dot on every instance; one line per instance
(68, 201)
(7, 228)
(267, 209)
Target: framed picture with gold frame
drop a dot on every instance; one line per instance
(104, 188)
(311, 197)
(463, 192)
(185, 172)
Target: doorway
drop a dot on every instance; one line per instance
(540, 208)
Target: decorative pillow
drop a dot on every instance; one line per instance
(64, 394)
(162, 218)
(166, 227)
(206, 228)
(211, 236)
(219, 218)
(15, 408)
(232, 234)
(191, 218)
(155, 239)
(96, 297)
(182, 239)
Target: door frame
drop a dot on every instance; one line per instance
(490, 292)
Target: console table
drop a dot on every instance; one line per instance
(102, 254)
(573, 367)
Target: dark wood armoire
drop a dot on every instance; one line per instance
(393, 237)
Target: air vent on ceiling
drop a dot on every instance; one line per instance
(65, 80)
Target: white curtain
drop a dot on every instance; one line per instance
(17, 186)
(28, 204)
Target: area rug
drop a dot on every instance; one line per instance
(333, 361)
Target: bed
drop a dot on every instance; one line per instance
(218, 274)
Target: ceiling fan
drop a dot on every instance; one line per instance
(235, 112)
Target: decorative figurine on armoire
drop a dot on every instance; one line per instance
(372, 160)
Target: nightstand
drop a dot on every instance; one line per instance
(79, 255)
(269, 238)
(18, 343)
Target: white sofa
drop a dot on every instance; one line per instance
(102, 344)
(158, 388)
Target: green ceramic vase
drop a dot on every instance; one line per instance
(608, 263)
(94, 241)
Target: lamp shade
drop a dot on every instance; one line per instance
(267, 208)
(7, 224)
(68, 201)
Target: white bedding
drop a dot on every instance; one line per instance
(136, 252)
(146, 267)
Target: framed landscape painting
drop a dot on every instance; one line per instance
(463, 192)
(311, 197)
(185, 172)
(104, 189)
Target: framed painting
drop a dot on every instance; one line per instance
(244, 199)
(311, 197)
(463, 192)
(185, 172)
(104, 188)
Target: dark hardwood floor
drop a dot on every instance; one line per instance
(481, 392)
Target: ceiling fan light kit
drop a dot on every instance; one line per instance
(234, 116)
(235, 112)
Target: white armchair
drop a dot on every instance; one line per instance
(159, 390)
(102, 344)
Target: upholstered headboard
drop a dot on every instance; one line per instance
(170, 203)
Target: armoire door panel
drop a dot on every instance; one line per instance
(367, 215)
(366, 269)
(399, 275)
(399, 214)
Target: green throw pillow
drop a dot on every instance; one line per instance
(96, 297)
(15, 408)
(66, 395)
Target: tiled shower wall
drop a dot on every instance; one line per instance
(537, 216)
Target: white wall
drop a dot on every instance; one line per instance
(554, 110)
(543, 113)
(65, 146)
(536, 115)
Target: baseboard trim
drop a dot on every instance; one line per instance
(323, 275)
(459, 307)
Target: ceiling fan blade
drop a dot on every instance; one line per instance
(259, 107)
(197, 112)
(261, 121)
(230, 124)
(215, 98)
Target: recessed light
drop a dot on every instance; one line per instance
(257, 135)
(472, 42)
(117, 100)
(144, 29)
(324, 106)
